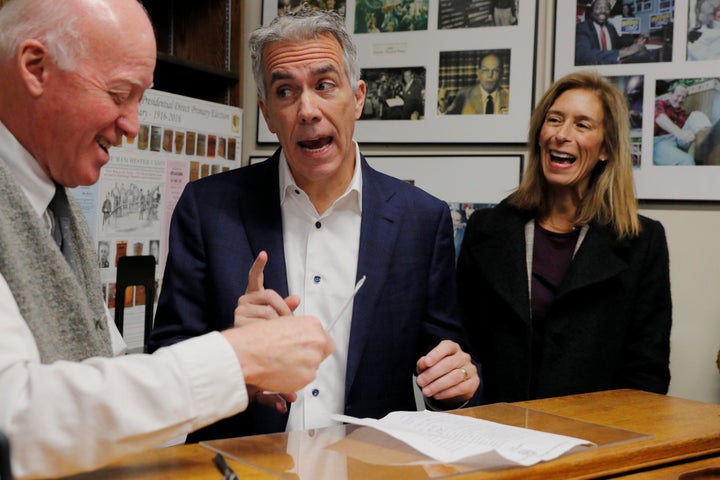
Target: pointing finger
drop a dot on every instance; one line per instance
(256, 278)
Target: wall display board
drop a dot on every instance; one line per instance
(665, 56)
(428, 65)
(467, 182)
(181, 139)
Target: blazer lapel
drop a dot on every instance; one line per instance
(504, 101)
(260, 212)
(501, 252)
(592, 34)
(600, 257)
(378, 234)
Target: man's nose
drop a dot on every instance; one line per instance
(308, 111)
(128, 120)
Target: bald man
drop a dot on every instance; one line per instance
(72, 75)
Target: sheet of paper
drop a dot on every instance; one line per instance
(450, 438)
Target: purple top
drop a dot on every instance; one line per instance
(552, 254)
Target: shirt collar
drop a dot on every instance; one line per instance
(32, 180)
(287, 182)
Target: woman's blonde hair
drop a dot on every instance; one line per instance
(610, 196)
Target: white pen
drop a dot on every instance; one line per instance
(347, 303)
(337, 317)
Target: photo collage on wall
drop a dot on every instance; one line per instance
(664, 55)
(440, 71)
(180, 140)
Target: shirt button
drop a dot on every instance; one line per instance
(297, 192)
(315, 392)
(318, 224)
(316, 279)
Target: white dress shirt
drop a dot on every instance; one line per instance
(321, 255)
(608, 41)
(72, 416)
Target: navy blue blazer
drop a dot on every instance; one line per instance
(406, 306)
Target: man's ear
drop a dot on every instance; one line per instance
(33, 62)
(360, 98)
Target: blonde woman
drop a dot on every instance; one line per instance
(564, 288)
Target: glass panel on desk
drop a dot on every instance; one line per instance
(349, 452)
(508, 414)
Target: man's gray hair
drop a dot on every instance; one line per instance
(303, 24)
(52, 22)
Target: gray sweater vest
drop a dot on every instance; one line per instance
(64, 311)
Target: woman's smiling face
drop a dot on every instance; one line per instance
(572, 140)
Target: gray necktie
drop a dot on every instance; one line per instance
(61, 231)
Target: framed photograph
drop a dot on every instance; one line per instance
(665, 57)
(438, 71)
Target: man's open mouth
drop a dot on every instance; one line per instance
(317, 144)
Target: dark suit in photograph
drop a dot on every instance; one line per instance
(608, 326)
(406, 306)
(413, 100)
(587, 44)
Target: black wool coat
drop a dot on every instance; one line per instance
(608, 327)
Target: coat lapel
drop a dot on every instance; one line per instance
(378, 234)
(260, 211)
(600, 257)
(501, 252)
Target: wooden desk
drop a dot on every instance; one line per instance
(685, 436)
(681, 429)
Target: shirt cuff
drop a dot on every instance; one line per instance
(215, 378)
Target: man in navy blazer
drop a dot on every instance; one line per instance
(324, 219)
(588, 49)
